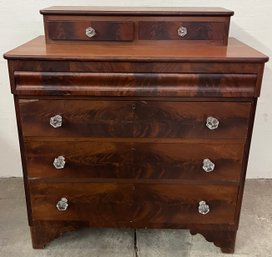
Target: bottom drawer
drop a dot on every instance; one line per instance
(134, 205)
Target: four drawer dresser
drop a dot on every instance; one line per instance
(135, 118)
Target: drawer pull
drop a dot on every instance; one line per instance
(90, 32)
(208, 165)
(59, 162)
(182, 31)
(212, 123)
(62, 204)
(56, 121)
(203, 208)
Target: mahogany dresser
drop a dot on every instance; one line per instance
(136, 118)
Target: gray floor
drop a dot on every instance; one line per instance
(254, 237)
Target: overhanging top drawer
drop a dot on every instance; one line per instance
(134, 84)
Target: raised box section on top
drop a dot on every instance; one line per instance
(91, 24)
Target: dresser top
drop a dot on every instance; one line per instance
(136, 11)
(236, 51)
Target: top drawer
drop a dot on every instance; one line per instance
(91, 30)
(136, 25)
(183, 30)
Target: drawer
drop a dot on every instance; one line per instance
(182, 30)
(91, 30)
(134, 119)
(135, 160)
(134, 84)
(133, 205)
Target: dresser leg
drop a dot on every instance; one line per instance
(43, 232)
(221, 238)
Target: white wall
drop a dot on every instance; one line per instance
(20, 21)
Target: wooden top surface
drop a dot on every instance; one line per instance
(142, 51)
(139, 11)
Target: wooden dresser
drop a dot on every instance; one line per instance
(136, 118)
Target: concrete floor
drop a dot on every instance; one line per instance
(254, 237)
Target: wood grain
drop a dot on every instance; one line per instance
(167, 30)
(135, 119)
(134, 160)
(105, 30)
(143, 51)
(134, 84)
(67, 28)
(123, 204)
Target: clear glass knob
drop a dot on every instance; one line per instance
(62, 204)
(59, 162)
(212, 123)
(203, 208)
(182, 31)
(208, 165)
(56, 121)
(90, 32)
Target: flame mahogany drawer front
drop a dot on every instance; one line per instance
(99, 30)
(208, 161)
(119, 204)
(81, 30)
(136, 118)
(135, 84)
(182, 30)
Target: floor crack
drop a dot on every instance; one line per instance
(135, 243)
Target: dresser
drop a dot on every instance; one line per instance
(135, 118)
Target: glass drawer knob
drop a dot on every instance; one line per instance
(90, 32)
(212, 123)
(62, 204)
(59, 162)
(203, 208)
(182, 31)
(56, 121)
(208, 165)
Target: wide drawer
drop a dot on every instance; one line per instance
(91, 30)
(141, 205)
(134, 160)
(208, 25)
(182, 30)
(131, 119)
